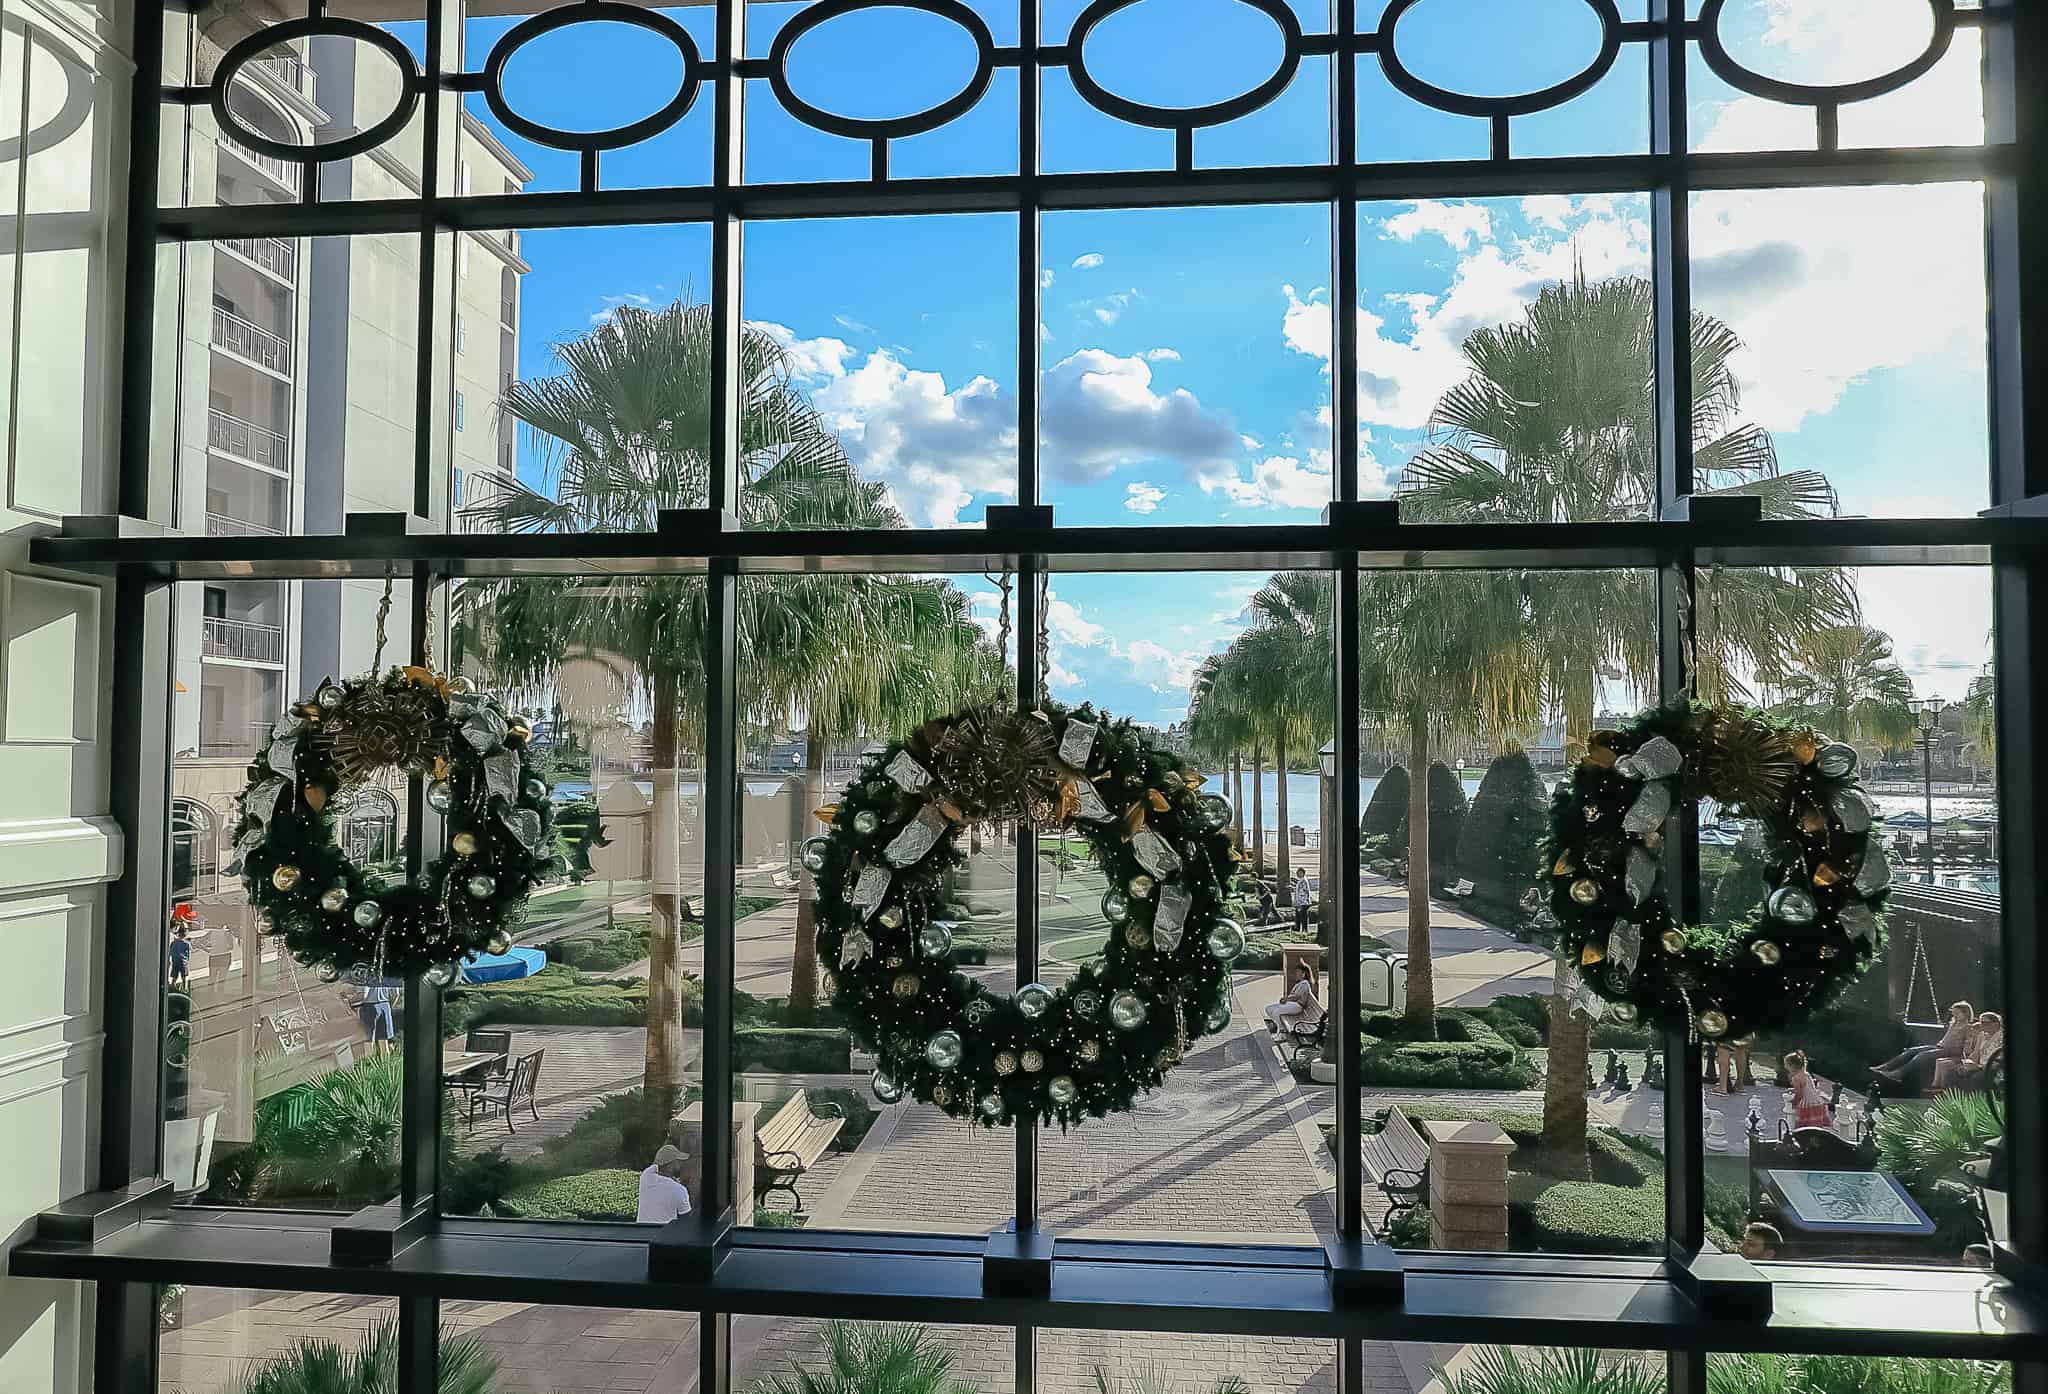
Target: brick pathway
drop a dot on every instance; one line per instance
(583, 1066)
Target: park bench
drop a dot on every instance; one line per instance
(1306, 1041)
(790, 1143)
(1398, 1157)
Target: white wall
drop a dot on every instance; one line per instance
(60, 187)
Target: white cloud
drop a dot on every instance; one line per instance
(1045, 278)
(937, 449)
(1142, 497)
(1065, 623)
(1111, 307)
(1460, 224)
(1100, 411)
(611, 303)
(1088, 261)
(1939, 619)
(1279, 481)
(1162, 355)
(810, 360)
(1065, 679)
(1162, 669)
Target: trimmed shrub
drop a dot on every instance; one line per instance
(1467, 1054)
(1524, 1018)
(558, 995)
(606, 1194)
(1587, 1217)
(1500, 848)
(1386, 812)
(971, 952)
(601, 950)
(1447, 808)
(793, 1050)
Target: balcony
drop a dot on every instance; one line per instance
(221, 525)
(286, 68)
(243, 640)
(232, 740)
(245, 441)
(285, 174)
(251, 342)
(273, 254)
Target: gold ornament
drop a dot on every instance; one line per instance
(334, 900)
(1674, 941)
(1767, 953)
(464, 843)
(1828, 874)
(1586, 891)
(1745, 761)
(1813, 821)
(941, 1095)
(1032, 1061)
(1805, 745)
(1653, 839)
(285, 877)
(906, 985)
(1006, 1062)
(825, 813)
(316, 797)
(997, 765)
(1589, 954)
(1713, 1022)
(1158, 801)
(378, 728)
(1089, 1051)
(891, 917)
(1564, 866)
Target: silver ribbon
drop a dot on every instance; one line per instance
(484, 729)
(1651, 808)
(1656, 758)
(1077, 742)
(907, 773)
(855, 948)
(908, 847)
(287, 727)
(870, 889)
(1585, 1001)
(1155, 853)
(1093, 809)
(524, 824)
(1852, 807)
(1641, 874)
(1875, 873)
(462, 705)
(1169, 922)
(1625, 946)
(261, 803)
(501, 775)
(1860, 922)
(283, 756)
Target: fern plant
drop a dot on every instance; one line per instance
(1926, 1146)
(323, 1367)
(871, 1358)
(1850, 1374)
(1151, 1379)
(1505, 1370)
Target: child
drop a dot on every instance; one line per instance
(1809, 1105)
(182, 920)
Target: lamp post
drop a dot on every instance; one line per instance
(1927, 715)
(1330, 842)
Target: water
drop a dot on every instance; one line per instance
(1304, 797)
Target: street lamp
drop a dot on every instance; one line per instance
(1331, 839)
(1927, 715)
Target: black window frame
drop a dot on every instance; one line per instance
(122, 1237)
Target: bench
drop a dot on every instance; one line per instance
(1398, 1157)
(1306, 1041)
(790, 1143)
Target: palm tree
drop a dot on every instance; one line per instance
(873, 1358)
(1440, 654)
(1219, 729)
(1294, 617)
(1558, 423)
(1845, 683)
(623, 431)
(313, 1366)
(1980, 720)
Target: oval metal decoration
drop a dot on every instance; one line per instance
(891, 127)
(1519, 104)
(1187, 117)
(329, 26)
(1773, 89)
(593, 12)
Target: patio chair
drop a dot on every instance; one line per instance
(498, 1043)
(514, 1091)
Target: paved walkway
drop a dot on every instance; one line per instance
(583, 1065)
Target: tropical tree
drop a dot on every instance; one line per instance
(1980, 720)
(1505, 1370)
(1844, 682)
(622, 432)
(1558, 423)
(1219, 729)
(873, 1358)
(318, 1366)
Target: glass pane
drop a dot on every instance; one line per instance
(1856, 365)
(281, 1080)
(838, 668)
(520, 1348)
(1895, 1099)
(1176, 375)
(293, 360)
(774, 1353)
(1477, 321)
(1131, 1362)
(572, 1060)
(1491, 683)
(1235, 673)
(878, 408)
(227, 1340)
(1838, 1374)
(580, 375)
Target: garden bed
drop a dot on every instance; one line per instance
(1468, 1053)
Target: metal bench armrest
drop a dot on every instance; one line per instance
(771, 1158)
(828, 1109)
(1392, 1178)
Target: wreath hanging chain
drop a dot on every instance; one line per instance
(1809, 823)
(1090, 1047)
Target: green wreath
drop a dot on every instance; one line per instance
(1820, 923)
(1090, 1047)
(334, 913)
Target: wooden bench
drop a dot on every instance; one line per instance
(1398, 1157)
(790, 1143)
(1305, 1042)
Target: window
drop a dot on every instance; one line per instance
(1373, 430)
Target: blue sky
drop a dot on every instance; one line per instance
(1184, 354)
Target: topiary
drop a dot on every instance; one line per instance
(1501, 849)
(1386, 812)
(1447, 808)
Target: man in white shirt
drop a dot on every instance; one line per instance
(663, 1196)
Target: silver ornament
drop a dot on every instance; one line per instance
(1116, 905)
(441, 974)
(361, 973)
(1791, 905)
(440, 796)
(328, 697)
(1215, 812)
(499, 943)
(1217, 1019)
(1623, 1012)
(481, 886)
(814, 855)
(334, 900)
(1087, 1002)
(884, 1088)
(935, 940)
(535, 790)
(1836, 760)
(992, 1105)
(328, 972)
(944, 1050)
(1034, 1000)
(1127, 1011)
(866, 822)
(368, 914)
(1062, 1090)
(1226, 940)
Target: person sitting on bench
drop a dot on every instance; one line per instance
(1913, 1068)
(1299, 1007)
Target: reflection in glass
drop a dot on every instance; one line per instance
(226, 1340)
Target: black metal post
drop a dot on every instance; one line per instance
(1030, 620)
(1927, 740)
(420, 1045)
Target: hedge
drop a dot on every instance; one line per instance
(1384, 825)
(1499, 850)
(793, 1050)
(558, 995)
(1386, 812)
(606, 1194)
(1447, 809)
(1467, 1054)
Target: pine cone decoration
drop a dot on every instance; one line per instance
(997, 766)
(1747, 762)
(381, 728)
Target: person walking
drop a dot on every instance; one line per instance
(1302, 897)
(220, 954)
(1809, 1104)
(663, 1196)
(181, 947)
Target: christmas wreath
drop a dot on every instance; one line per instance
(1808, 822)
(334, 913)
(1091, 1046)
